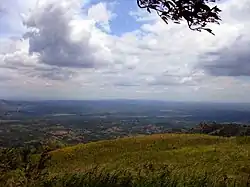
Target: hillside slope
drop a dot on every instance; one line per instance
(184, 153)
(155, 160)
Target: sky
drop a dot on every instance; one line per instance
(111, 49)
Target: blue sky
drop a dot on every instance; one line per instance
(123, 22)
(73, 49)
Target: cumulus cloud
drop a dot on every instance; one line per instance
(232, 60)
(2, 10)
(58, 40)
(67, 46)
(100, 14)
(60, 37)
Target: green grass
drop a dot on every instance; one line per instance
(155, 160)
(132, 149)
(181, 152)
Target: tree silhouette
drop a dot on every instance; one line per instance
(197, 13)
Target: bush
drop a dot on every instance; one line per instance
(19, 167)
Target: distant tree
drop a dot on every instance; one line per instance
(197, 13)
(53, 144)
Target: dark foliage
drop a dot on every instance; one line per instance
(197, 13)
(22, 167)
(217, 129)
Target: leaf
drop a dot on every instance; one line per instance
(167, 5)
(205, 7)
(165, 20)
(209, 30)
(196, 12)
(171, 3)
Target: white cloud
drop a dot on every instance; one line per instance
(100, 14)
(70, 53)
(61, 38)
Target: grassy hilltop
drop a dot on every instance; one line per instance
(153, 160)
